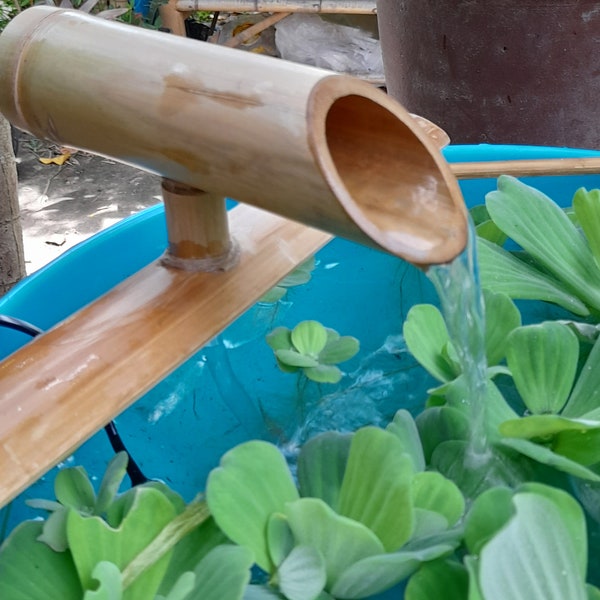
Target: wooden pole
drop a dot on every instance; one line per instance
(357, 7)
(255, 29)
(59, 389)
(527, 168)
(327, 150)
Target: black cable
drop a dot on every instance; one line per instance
(133, 470)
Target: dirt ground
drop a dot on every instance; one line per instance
(61, 205)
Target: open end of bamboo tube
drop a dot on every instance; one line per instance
(388, 174)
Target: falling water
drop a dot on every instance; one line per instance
(457, 284)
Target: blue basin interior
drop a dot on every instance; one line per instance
(232, 390)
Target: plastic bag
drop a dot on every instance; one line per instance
(307, 39)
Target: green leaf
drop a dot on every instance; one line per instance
(405, 429)
(543, 362)
(543, 230)
(150, 512)
(501, 272)
(113, 477)
(302, 574)
(321, 466)
(593, 592)
(433, 492)
(585, 397)
(252, 482)
(502, 316)
(341, 541)
(441, 578)
(488, 514)
(73, 488)
(543, 426)
(546, 456)
(339, 350)
(488, 230)
(30, 570)
(109, 578)
(275, 294)
(323, 373)
(376, 574)
(579, 445)
(280, 540)
(55, 530)
(426, 336)
(300, 275)
(533, 557)
(441, 424)
(377, 486)
(280, 339)
(309, 337)
(587, 210)
(295, 359)
(223, 574)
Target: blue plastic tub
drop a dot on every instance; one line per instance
(232, 390)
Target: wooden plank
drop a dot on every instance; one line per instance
(527, 168)
(357, 7)
(61, 388)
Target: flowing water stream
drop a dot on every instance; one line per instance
(457, 284)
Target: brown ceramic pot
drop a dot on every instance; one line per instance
(497, 71)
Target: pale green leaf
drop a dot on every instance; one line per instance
(275, 294)
(55, 530)
(309, 337)
(340, 540)
(403, 426)
(543, 362)
(377, 486)
(109, 587)
(440, 424)
(502, 316)
(182, 587)
(280, 339)
(251, 483)
(433, 492)
(441, 578)
(376, 574)
(321, 466)
(501, 272)
(302, 574)
(323, 373)
(426, 336)
(111, 481)
(339, 350)
(533, 557)
(73, 488)
(30, 570)
(295, 359)
(587, 210)
(543, 230)
(280, 540)
(585, 397)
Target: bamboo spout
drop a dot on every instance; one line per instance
(322, 149)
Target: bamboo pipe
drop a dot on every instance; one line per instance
(327, 150)
(357, 7)
(61, 388)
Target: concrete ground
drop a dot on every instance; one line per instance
(61, 205)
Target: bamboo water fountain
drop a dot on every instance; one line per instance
(309, 153)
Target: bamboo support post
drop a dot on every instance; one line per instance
(357, 7)
(197, 229)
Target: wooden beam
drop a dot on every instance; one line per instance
(61, 388)
(357, 7)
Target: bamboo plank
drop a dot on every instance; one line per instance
(527, 168)
(61, 388)
(255, 29)
(357, 7)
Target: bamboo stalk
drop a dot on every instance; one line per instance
(197, 229)
(358, 7)
(59, 389)
(527, 168)
(327, 150)
(255, 29)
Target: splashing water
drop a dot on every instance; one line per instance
(457, 284)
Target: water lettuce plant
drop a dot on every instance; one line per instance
(411, 503)
(312, 349)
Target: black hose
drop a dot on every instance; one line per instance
(133, 470)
